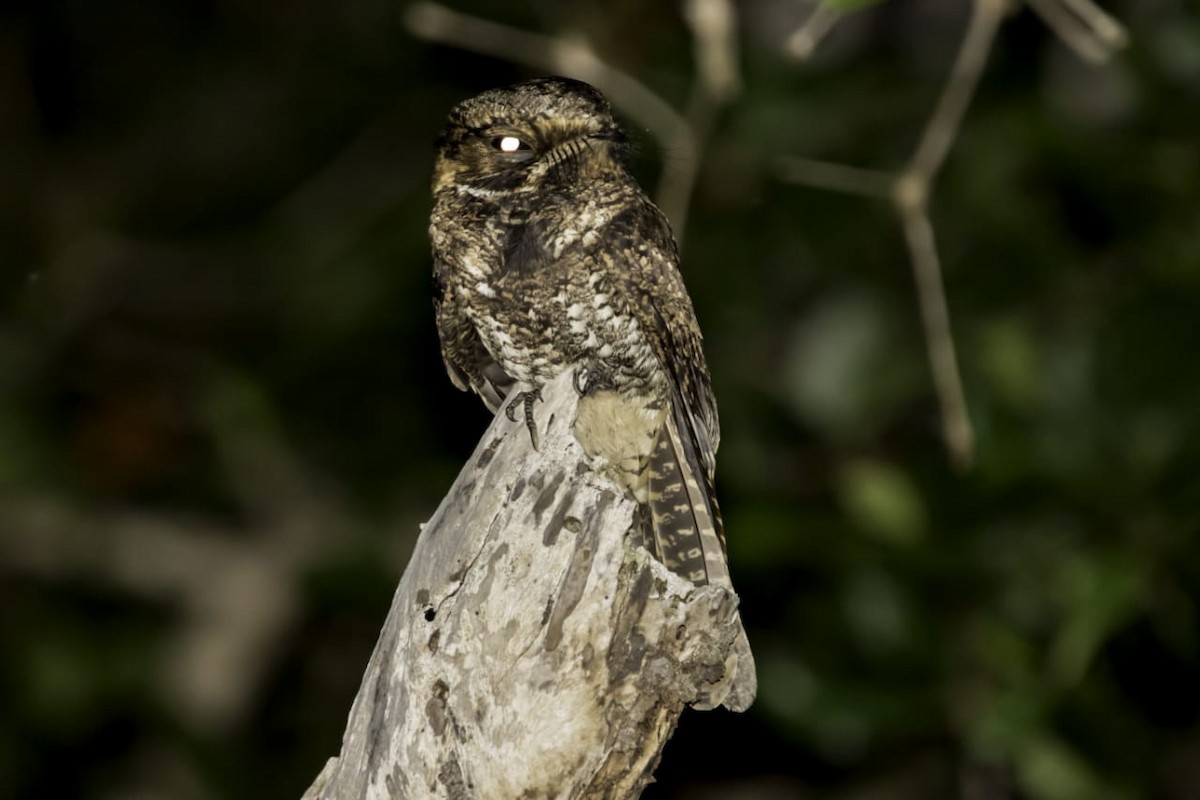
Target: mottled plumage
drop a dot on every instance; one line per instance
(549, 257)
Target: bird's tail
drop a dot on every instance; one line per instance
(686, 533)
(679, 522)
(685, 529)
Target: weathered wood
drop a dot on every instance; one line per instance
(531, 651)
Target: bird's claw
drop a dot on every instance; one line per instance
(527, 399)
(590, 379)
(580, 381)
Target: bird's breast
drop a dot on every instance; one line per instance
(535, 329)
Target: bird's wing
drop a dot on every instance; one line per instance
(664, 311)
(686, 526)
(468, 362)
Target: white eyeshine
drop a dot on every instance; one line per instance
(510, 144)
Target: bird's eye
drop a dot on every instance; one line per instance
(510, 144)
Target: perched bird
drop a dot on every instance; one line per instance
(549, 257)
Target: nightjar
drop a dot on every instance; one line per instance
(549, 257)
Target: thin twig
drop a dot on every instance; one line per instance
(803, 41)
(939, 340)
(836, 177)
(1082, 26)
(942, 127)
(909, 193)
(911, 198)
(713, 24)
(1099, 22)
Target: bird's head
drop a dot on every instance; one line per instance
(527, 136)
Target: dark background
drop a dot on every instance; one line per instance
(223, 413)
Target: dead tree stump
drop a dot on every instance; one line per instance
(531, 650)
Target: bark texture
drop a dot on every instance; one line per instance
(532, 650)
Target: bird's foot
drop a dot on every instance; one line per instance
(591, 378)
(527, 399)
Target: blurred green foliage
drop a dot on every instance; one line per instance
(218, 369)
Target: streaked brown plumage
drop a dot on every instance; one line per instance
(549, 257)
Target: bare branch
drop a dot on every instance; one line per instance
(714, 31)
(935, 317)
(804, 40)
(713, 24)
(1082, 26)
(836, 177)
(942, 126)
(1100, 22)
(911, 198)
(909, 193)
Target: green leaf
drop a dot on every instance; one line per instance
(882, 501)
(1008, 355)
(1101, 593)
(1050, 769)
